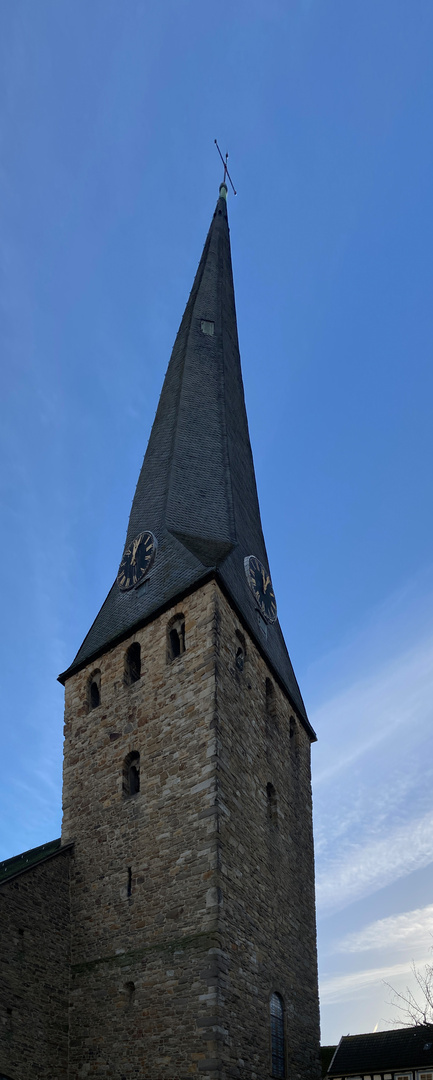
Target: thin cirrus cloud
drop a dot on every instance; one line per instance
(372, 782)
(373, 775)
(356, 984)
(369, 711)
(369, 867)
(406, 932)
(407, 936)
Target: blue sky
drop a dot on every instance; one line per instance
(108, 179)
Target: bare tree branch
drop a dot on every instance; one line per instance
(414, 1011)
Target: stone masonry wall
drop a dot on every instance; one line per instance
(34, 967)
(191, 901)
(142, 981)
(266, 866)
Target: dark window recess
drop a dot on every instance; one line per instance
(277, 1036)
(294, 733)
(94, 695)
(131, 774)
(271, 704)
(207, 327)
(132, 664)
(240, 651)
(129, 885)
(272, 805)
(94, 690)
(176, 638)
(129, 989)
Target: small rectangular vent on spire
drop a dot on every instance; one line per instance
(207, 327)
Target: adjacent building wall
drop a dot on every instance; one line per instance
(34, 971)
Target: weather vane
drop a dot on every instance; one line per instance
(226, 171)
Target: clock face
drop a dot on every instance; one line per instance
(261, 587)
(137, 560)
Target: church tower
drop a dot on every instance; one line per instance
(187, 757)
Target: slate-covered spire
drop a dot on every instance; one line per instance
(197, 491)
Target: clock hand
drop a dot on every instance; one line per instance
(135, 547)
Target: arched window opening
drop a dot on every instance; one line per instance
(129, 989)
(240, 651)
(277, 1036)
(94, 690)
(176, 638)
(131, 774)
(132, 664)
(271, 703)
(272, 808)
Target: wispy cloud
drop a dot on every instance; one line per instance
(372, 778)
(357, 983)
(408, 931)
(372, 709)
(367, 867)
(372, 782)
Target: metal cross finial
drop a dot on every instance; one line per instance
(226, 171)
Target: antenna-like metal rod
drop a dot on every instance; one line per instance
(226, 171)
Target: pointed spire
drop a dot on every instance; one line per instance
(197, 491)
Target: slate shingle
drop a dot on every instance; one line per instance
(384, 1051)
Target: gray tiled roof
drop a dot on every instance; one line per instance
(197, 491)
(10, 867)
(384, 1051)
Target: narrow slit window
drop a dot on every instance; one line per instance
(94, 690)
(271, 709)
(176, 638)
(272, 808)
(132, 664)
(240, 651)
(131, 774)
(277, 1036)
(129, 885)
(294, 734)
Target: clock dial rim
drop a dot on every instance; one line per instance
(260, 595)
(126, 567)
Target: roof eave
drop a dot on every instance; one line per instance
(209, 575)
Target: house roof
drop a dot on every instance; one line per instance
(10, 867)
(383, 1051)
(197, 490)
